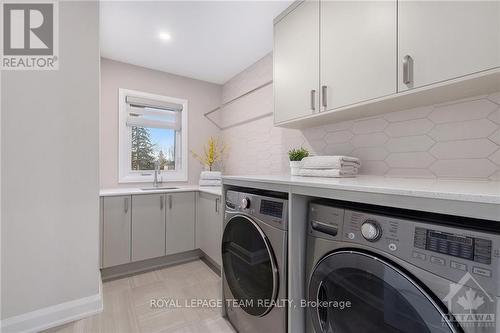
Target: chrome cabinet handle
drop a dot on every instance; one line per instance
(216, 205)
(161, 202)
(125, 205)
(324, 99)
(407, 70)
(170, 202)
(313, 100)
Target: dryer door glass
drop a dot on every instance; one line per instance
(249, 266)
(381, 297)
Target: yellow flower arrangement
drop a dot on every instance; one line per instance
(212, 153)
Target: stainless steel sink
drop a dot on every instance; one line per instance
(159, 188)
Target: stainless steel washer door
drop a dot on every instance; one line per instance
(249, 266)
(382, 298)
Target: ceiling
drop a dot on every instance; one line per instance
(210, 40)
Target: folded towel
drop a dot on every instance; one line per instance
(210, 182)
(210, 175)
(330, 173)
(329, 162)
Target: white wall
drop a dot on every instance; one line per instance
(202, 96)
(257, 147)
(50, 180)
(1, 201)
(459, 139)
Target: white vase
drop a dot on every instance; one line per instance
(294, 167)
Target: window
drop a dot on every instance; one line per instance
(153, 132)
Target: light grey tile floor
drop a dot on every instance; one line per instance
(127, 307)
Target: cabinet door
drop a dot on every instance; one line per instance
(116, 218)
(180, 222)
(148, 226)
(358, 51)
(209, 226)
(215, 226)
(296, 63)
(202, 213)
(447, 39)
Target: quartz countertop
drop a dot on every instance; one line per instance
(459, 190)
(215, 190)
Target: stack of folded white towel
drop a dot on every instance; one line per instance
(328, 166)
(210, 178)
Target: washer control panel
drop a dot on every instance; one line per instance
(269, 209)
(456, 245)
(444, 250)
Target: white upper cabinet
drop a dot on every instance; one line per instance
(446, 40)
(358, 51)
(340, 60)
(296, 63)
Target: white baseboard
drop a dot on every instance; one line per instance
(55, 315)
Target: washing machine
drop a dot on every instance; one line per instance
(380, 270)
(254, 256)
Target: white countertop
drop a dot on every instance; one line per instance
(215, 190)
(458, 190)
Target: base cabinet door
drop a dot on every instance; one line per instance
(180, 222)
(443, 40)
(209, 226)
(116, 217)
(148, 226)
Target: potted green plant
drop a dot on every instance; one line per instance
(296, 155)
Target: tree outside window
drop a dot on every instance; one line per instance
(150, 146)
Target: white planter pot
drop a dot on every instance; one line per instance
(294, 167)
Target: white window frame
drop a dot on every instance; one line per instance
(125, 172)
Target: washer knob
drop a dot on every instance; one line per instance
(245, 203)
(371, 230)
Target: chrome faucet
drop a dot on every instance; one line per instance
(156, 182)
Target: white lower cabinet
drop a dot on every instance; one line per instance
(148, 226)
(180, 222)
(116, 228)
(209, 226)
(145, 226)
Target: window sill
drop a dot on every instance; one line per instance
(165, 178)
